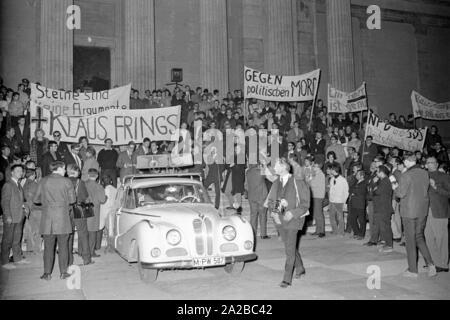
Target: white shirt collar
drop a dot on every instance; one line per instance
(284, 179)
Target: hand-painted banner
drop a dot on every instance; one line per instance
(385, 134)
(119, 125)
(270, 87)
(427, 109)
(346, 102)
(73, 104)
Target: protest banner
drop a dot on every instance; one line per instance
(280, 88)
(387, 135)
(73, 104)
(347, 102)
(119, 125)
(427, 109)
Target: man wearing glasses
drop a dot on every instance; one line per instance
(62, 150)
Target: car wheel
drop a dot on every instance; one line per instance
(235, 268)
(146, 275)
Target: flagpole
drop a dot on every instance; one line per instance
(362, 111)
(314, 102)
(246, 113)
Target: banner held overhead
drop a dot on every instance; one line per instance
(387, 135)
(269, 87)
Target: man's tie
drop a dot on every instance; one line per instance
(19, 185)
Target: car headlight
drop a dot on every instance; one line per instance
(229, 233)
(173, 237)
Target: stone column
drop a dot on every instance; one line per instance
(340, 45)
(56, 45)
(305, 19)
(235, 44)
(214, 45)
(139, 44)
(279, 41)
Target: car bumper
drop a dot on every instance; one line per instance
(189, 264)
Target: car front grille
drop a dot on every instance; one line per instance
(199, 243)
(203, 230)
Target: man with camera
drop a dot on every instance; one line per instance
(289, 202)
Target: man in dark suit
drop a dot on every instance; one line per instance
(126, 162)
(357, 205)
(215, 169)
(10, 141)
(51, 156)
(382, 209)
(62, 149)
(107, 159)
(22, 136)
(4, 163)
(292, 117)
(56, 193)
(414, 205)
(293, 197)
(257, 194)
(13, 206)
(73, 156)
(318, 148)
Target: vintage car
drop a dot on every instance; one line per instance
(167, 221)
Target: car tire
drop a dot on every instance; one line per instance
(147, 275)
(234, 268)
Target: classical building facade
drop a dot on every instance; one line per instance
(212, 40)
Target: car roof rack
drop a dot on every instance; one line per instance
(130, 178)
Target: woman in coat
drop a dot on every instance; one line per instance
(233, 186)
(97, 197)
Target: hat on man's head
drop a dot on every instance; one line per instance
(131, 143)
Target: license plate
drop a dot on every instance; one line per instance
(209, 261)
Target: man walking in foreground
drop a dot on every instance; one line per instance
(414, 201)
(289, 201)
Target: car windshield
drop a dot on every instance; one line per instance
(171, 193)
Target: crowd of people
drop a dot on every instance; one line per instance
(404, 196)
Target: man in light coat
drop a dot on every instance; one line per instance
(97, 196)
(317, 184)
(56, 194)
(436, 230)
(338, 195)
